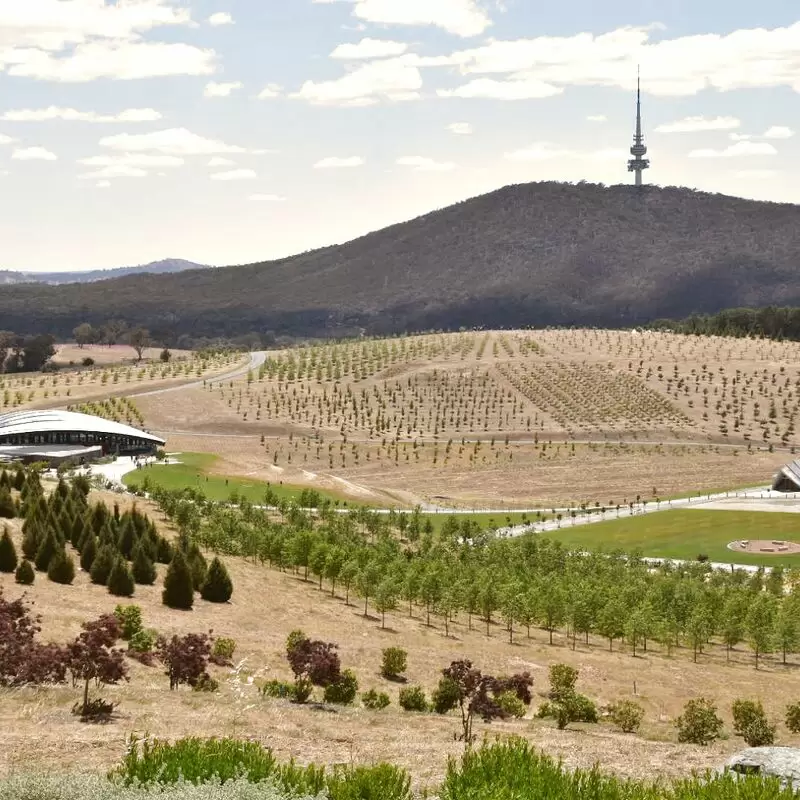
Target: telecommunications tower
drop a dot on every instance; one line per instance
(639, 150)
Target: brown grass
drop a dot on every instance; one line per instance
(37, 727)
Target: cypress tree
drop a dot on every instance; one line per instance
(144, 570)
(25, 574)
(120, 580)
(8, 508)
(218, 586)
(88, 553)
(178, 589)
(166, 551)
(32, 540)
(8, 553)
(79, 528)
(19, 479)
(126, 539)
(5, 480)
(62, 568)
(47, 549)
(197, 565)
(102, 565)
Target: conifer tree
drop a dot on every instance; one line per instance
(178, 588)
(126, 538)
(47, 549)
(5, 481)
(8, 553)
(20, 479)
(31, 540)
(8, 508)
(144, 570)
(120, 580)
(218, 586)
(62, 568)
(102, 565)
(25, 574)
(88, 553)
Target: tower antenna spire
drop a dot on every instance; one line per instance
(638, 163)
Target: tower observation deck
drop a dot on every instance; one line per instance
(639, 150)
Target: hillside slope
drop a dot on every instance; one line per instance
(533, 254)
(167, 265)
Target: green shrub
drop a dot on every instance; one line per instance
(699, 723)
(217, 587)
(445, 696)
(8, 508)
(412, 698)
(378, 782)
(511, 704)
(62, 568)
(375, 701)
(222, 651)
(8, 553)
(120, 580)
(24, 573)
(280, 689)
(750, 722)
(394, 663)
(572, 707)
(130, 620)
(627, 715)
(343, 692)
(562, 681)
(294, 638)
(793, 717)
(143, 641)
(205, 683)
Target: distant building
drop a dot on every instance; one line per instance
(639, 150)
(57, 436)
(787, 479)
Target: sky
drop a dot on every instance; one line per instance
(234, 131)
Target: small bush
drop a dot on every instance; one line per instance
(412, 698)
(141, 646)
(511, 704)
(375, 701)
(295, 638)
(699, 723)
(205, 683)
(750, 722)
(222, 652)
(280, 689)
(572, 707)
(61, 568)
(343, 692)
(395, 662)
(377, 782)
(97, 710)
(793, 717)
(24, 574)
(88, 361)
(627, 715)
(445, 696)
(130, 620)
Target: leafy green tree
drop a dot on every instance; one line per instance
(348, 576)
(367, 582)
(218, 586)
(611, 620)
(580, 613)
(318, 561)
(333, 566)
(8, 553)
(178, 588)
(699, 723)
(698, 630)
(760, 625)
(552, 607)
(386, 598)
(488, 601)
(512, 607)
(787, 627)
(449, 604)
(430, 590)
(301, 546)
(733, 616)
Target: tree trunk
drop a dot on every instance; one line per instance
(85, 697)
(383, 620)
(333, 588)
(550, 631)
(366, 601)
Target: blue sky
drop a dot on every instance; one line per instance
(230, 131)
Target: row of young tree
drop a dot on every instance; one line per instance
(521, 583)
(117, 550)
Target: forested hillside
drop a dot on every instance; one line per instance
(534, 254)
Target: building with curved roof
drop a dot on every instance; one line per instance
(55, 436)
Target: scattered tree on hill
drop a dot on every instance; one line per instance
(314, 663)
(84, 334)
(218, 586)
(699, 723)
(139, 340)
(178, 588)
(8, 553)
(185, 657)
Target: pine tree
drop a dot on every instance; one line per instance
(8, 508)
(62, 568)
(218, 586)
(126, 539)
(178, 588)
(88, 552)
(144, 570)
(8, 553)
(102, 565)
(197, 565)
(120, 580)
(48, 548)
(25, 574)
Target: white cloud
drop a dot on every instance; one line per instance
(235, 175)
(33, 154)
(103, 184)
(392, 79)
(333, 162)
(597, 118)
(522, 88)
(759, 174)
(115, 171)
(422, 164)
(220, 18)
(779, 132)
(546, 151)
(267, 198)
(745, 58)
(459, 17)
(72, 115)
(369, 48)
(697, 124)
(219, 161)
(132, 160)
(221, 89)
(269, 91)
(460, 128)
(174, 141)
(743, 148)
(6, 139)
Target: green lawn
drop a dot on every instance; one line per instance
(686, 533)
(195, 471)
(487, 521)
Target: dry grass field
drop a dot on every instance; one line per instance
(71, 354)
(520, 418)
(36, 724)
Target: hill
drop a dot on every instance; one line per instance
(168, 265)
(533, 254)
